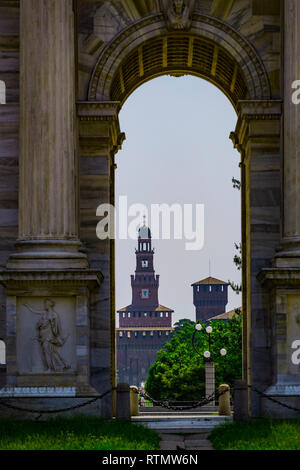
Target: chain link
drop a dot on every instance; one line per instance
(160, 403)
(213, 397)
(40, 412)
(199, 404)
(264, 395)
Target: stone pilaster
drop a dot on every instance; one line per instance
(100, 138)
(289, 250)
(48, 180)
(257, 137)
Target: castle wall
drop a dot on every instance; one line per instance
(136, 352)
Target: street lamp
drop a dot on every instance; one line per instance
(209, 363)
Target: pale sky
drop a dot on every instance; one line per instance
(178, 151)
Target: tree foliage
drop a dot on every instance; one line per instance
(179, 371)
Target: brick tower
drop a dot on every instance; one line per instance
(144, 325)
(210, 298)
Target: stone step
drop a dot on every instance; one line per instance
(180, 422)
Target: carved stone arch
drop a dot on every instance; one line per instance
(215, 35)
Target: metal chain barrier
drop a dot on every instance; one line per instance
(199, 404)
(264, 395)
(160, 403)
(211, 398)
(61, 410)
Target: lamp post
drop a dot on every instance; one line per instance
(209, 361)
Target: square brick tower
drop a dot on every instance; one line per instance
(210, 298)
(144, 325)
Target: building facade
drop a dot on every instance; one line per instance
(144, 325)
(60, 132)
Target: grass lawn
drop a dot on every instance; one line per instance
(78, 433)
(259, 434)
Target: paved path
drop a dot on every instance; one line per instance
(180, 431)
(185, 439)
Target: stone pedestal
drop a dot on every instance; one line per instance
(284, 287)
(48, 332)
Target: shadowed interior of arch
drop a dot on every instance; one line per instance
(179, 55)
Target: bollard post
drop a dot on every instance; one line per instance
(134, 401)
(123, 401)
(224, 400)
(240, 400)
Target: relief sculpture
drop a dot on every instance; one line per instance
(179, 13)
(49, 336)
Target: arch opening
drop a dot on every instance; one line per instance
(170, 156)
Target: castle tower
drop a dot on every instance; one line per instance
(210, 298)
(144, 325)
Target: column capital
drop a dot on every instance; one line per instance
(101, 119)
(260, 109)
(257, 119)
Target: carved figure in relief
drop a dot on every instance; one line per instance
(179, 13)
(49, 337)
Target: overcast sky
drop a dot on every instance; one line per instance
(178, 151)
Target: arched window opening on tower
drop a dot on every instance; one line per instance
(2, 92)
(2, 352)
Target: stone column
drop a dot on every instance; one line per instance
(48, 281)
(289, 251)
(48, 220)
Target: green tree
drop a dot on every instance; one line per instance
(179, 371)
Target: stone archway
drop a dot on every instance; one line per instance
(237, 46)
(216, 52)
